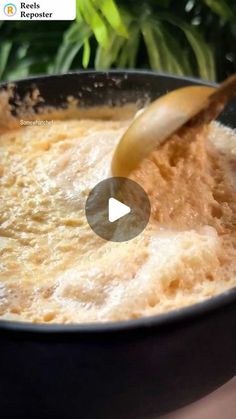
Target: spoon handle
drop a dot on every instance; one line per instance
(215, 103)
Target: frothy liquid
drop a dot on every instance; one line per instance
(53, 268)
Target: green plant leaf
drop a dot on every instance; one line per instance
(165, 54)
(77, 32)
(74, 39)
(66, 56)
(19, 72)
(170, 63)
(221, 7)
(112, 14)
(20, 68)
(153, 51)
(92, 17)
(179, 57)
(202, 51)
(5, 49)
(105, 58)
(86, 53)
(128, 53)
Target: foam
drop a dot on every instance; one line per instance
(52, 266)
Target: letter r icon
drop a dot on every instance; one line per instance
(10, 10)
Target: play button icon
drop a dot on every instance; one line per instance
(117, 209)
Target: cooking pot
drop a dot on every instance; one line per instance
(136, 369)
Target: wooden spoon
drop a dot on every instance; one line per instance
(190, 106)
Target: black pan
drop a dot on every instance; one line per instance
(136, 369)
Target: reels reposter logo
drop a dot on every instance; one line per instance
(10, 9)
(38, 10)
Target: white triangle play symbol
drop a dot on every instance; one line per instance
(116, 210)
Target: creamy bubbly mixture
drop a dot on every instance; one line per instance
(53, 268)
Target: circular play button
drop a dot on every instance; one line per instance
(117, 209)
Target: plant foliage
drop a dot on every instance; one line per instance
(191, 37)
